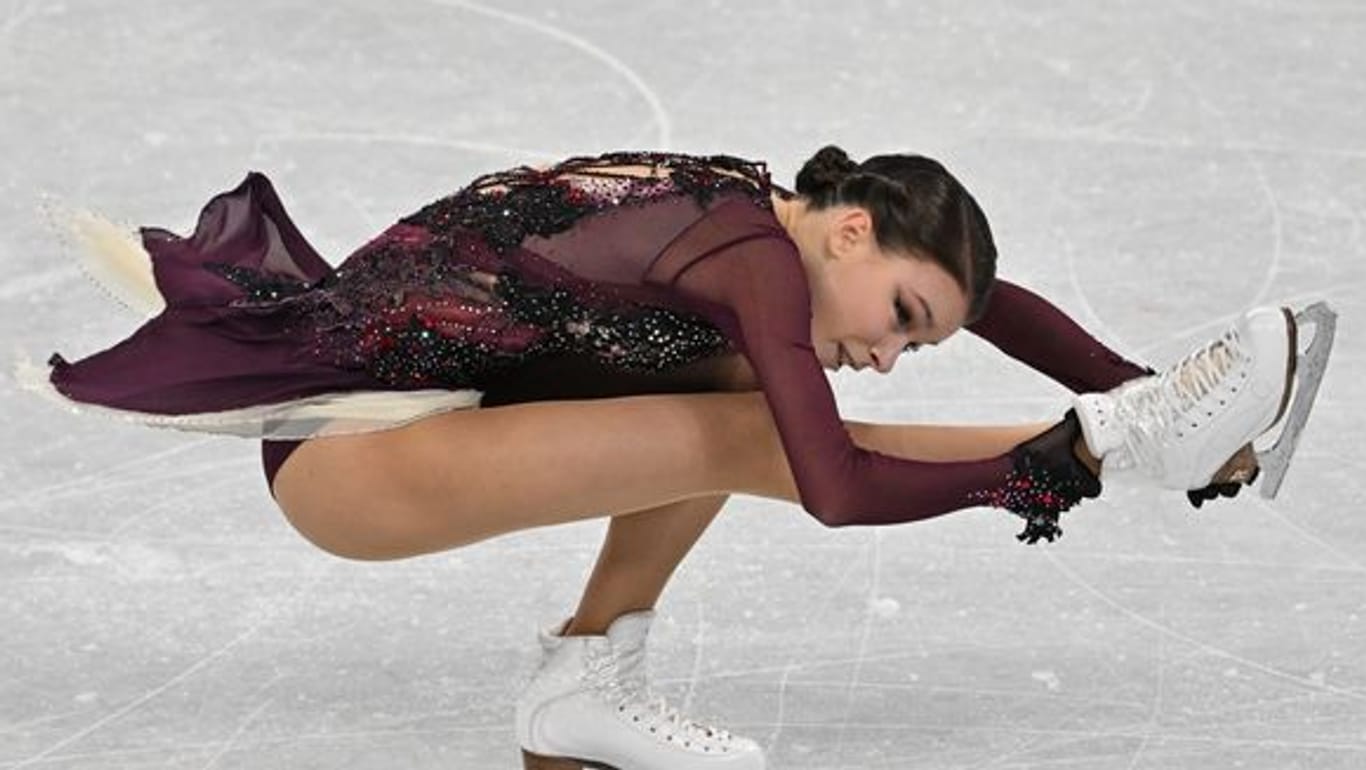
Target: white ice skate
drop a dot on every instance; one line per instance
(589, 705)
(1178, 428)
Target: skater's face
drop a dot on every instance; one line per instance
(877, 304)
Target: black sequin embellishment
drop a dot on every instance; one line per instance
(259, 287)
(436, 302)
(507, 206)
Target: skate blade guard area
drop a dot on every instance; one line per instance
(1310, 366)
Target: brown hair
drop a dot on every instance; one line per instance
(917, 207)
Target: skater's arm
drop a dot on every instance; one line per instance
(1032, 330)
(754, 284)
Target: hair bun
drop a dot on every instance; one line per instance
(824, 171)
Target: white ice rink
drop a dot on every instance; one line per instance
(1154, 168)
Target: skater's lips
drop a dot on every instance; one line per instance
(846, 359)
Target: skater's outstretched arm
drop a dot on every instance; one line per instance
(737, 268)
(1032, 330)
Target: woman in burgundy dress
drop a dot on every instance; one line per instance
(654, 330)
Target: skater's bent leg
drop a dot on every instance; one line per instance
(638, 557)
(643, 548)
(465, 476)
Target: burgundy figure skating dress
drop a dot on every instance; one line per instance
(599, 276)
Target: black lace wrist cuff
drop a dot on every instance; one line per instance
(1047, 479)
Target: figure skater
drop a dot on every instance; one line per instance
(639, 335)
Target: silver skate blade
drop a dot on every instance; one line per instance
(1309, 369)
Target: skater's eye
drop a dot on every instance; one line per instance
(902, 315)
(905, 318)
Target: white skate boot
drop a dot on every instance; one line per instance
(1178, 428)
(588, 705)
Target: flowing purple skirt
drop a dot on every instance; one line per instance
(214, 347)
(238, 334)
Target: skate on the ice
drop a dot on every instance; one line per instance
(1180, 427)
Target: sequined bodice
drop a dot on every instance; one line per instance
(507, 206)
(524, 264)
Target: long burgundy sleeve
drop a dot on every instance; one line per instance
(1033, 331)
(746, 274)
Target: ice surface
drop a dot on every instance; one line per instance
(1154, 168)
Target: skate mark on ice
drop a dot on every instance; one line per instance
(1069, 137)
(1151, 725)
(1258, 170)
(1031, 742)
(1208, 562)
(657, 111)
(106, 483)
(416, 140)
(790, 665)
(271, 614)
(699, 652)
(245, 723)
(1203, 646)
(874, 584)
(190, 500)
(1100, 329)
(1308, 536)
(1351, 290)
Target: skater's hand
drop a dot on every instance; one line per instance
(1049, 478)
(1240, 470)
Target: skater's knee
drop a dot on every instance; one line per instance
(375, 533)
(365, 522)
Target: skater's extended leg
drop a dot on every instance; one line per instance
(461, 477)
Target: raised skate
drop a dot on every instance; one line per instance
(1179, 428)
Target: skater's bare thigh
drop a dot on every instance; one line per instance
(467, 475)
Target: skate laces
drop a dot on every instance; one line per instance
(618, 679)
(1156, 407)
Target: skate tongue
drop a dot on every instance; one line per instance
(630, 629)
